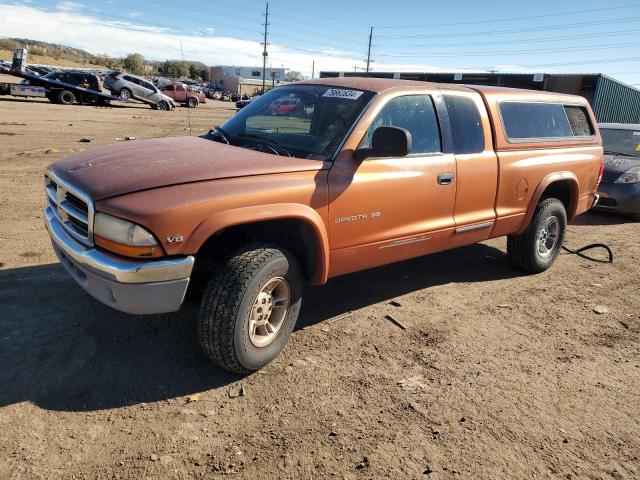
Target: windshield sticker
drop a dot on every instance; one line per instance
(636, 133)
(638, 148)
(342, 93)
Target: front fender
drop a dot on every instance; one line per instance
(263, 213)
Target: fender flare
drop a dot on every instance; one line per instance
(263, 213)
(550, 179)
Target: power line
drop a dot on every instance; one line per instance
(617, 33)
(542, 65)
(516, 30)
(513, 52)
(509, 19)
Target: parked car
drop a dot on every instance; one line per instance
(187, 95)
(380, 171)
(130, 87)
(243, 103)
(620, 187)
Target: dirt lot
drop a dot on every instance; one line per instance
(497, 375)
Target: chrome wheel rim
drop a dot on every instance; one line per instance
(124, 94)
(269, 311)
(548, 237)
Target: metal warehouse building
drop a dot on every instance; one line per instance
(611, 100)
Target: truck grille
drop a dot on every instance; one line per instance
(72, 209)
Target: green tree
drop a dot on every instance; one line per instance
(293, 76)
(175, 69)
(134, 63)
(193, 71)
(205, 74)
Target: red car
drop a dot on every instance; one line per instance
(185, 94)
(282, 107)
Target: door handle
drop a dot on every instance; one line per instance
(446, 178)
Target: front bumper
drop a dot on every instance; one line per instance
(131, 286)
(619, 197)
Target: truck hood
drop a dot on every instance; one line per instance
(121, 168)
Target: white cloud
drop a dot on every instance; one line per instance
(118, 38)
(69, 6)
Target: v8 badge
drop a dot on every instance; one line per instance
(173, 239)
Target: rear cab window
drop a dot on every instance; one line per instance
(466, 125)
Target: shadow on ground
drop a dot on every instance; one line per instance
(62, 350)
(602, 218)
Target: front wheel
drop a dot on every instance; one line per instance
(535, 249)
(249, 307)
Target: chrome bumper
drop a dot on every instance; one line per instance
(132, 286)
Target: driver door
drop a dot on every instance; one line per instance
(383, 210)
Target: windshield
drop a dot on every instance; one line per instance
(621, 142)
(305, 121)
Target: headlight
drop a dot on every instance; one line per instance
(630, 176)
(123, 237)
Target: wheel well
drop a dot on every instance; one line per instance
(296, 236)
(563, 190)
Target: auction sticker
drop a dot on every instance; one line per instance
(343, 93)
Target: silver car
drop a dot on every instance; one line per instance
(127, 87)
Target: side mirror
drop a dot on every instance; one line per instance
(387, 142)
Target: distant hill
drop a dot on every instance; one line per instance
(60, 55)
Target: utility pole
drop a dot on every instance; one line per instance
(264, 45)
(369, 50)
(313, 68)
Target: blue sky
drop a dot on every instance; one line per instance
(540, 36)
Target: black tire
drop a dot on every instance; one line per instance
(192, 102)
(125, 94)
(65, 97)
(523, 250)
(161, 105)
(228, 300)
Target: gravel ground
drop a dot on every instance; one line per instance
(497, 375)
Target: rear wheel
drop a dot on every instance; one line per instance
(65, 97)
(536, 249)
(192, 102)
(125, 94)
(249, 307)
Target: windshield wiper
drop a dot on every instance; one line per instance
(272, 143)
(223, 134)
(611, 152)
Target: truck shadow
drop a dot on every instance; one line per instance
(62, 350)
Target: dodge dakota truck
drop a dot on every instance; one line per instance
(364, 172)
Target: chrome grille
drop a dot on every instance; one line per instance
(73, 209)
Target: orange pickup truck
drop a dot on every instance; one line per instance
(363, 173)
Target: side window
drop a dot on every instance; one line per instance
(535, 120)
(417, 114)
(179, 88)
(579, 121)
(466, 125)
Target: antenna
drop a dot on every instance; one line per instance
(187, 94)
(264, 45)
